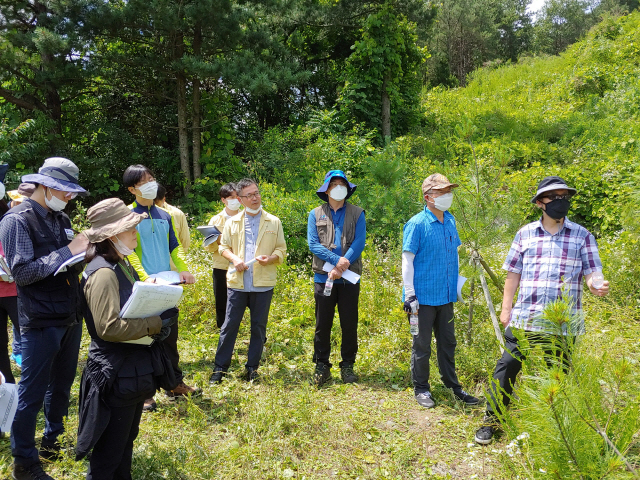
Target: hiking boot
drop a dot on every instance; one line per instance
(32, 472)
(322, 374)
(183, 390)
(149, 405)
(251, 374)
(465, 397)
(217, 377)
(425, 400)
(484, 435)
(49, 451)
(347, 374)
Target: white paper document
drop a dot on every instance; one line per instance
(5, 272)
(461, 282)
(149, 299)
(141, 341)
(348, 275)
(72, 261)
(253, 260)
(166, 278)
(8, 405)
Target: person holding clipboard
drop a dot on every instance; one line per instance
(118, 376)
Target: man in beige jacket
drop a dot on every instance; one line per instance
(254, 242)
(229, 197)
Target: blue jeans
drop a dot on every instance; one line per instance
(49, 362)
(16, 346)
(237, 302)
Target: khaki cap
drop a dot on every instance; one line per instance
(110, 217)
(437, 181)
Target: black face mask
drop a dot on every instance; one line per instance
(558, 209)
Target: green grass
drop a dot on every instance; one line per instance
(282, 427)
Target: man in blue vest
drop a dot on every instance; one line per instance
(37, 238)
(430, 277)
(336, 233)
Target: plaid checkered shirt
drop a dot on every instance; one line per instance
(548, 265)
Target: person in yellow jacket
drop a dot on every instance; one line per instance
(229, 197)
(254, 242)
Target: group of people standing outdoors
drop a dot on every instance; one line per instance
(129, 360)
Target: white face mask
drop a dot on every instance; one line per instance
(121, 247)
(253, 211)
(149, 190)
(443, 202)
(55, 203)
(339, 193)
(233, 204)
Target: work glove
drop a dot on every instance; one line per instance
(164, 333)
(411, 304)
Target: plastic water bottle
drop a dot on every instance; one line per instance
(328, 287)
(413, 323)
(597, 280)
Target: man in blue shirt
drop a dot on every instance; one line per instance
(336, 233)
(430, 276)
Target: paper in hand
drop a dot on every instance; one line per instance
(461, 282)
(149, 299)
(8, 405)
(348, 275)
(166, 278)
(72, 261)
(210, 233)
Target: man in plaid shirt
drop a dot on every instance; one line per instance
(549, 258)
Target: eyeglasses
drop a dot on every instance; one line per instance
(251, 196)
(557, 197)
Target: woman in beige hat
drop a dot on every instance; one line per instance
(118, 376)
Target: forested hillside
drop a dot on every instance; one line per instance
(298, 98)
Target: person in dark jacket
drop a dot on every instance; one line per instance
(38, 239)
(122, 369)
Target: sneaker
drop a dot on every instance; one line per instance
(217, 377)
(251, 374)
(465, 397)
(149, 405)
(17, 360)
(484, 435)
(347, 374)
(322, 374)
(183, 390)
(425, 400)
(32, 472)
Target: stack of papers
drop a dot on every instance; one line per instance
(8, 405)
(210, 234)
(166, 278)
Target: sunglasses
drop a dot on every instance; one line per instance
(557, 197)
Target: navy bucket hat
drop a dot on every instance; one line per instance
(57, 173)
(552, 183)
(322, 191)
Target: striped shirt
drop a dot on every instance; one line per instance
(550, 265)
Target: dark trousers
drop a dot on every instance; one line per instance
(510, 364)
(8, 310)
(237, 302)
(220, 294)
(49, 361)
(345, 296)
(171, 342)
(439, 320)
(112, 454)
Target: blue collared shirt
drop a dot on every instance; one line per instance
(251, 229)
(435, 266)
(333, 256)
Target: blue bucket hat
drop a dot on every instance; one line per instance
(322, 191)
(57, 173)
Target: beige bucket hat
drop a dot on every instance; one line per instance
(110, 217)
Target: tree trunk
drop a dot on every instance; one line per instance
(196, 139)
(183, 140)
(386, 110)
